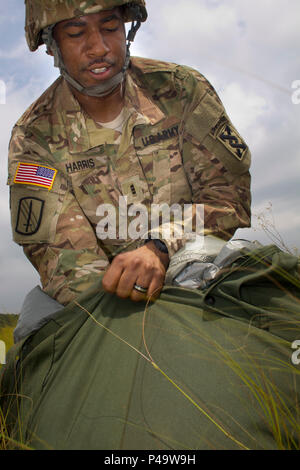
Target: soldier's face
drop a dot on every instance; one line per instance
(93, 47)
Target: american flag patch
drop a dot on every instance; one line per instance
(30, 173)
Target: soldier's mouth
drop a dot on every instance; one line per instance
(100, 73)
(99, 68)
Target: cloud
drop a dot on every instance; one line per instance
(243, 107)
(17, 275)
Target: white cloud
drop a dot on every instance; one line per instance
(17, 275)
(243, 107)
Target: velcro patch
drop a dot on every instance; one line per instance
(161, 136)
(229, 137)
(29, 216)
(37, 175)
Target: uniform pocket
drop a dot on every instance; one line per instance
(170, 182)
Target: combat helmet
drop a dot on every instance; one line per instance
(43, 15)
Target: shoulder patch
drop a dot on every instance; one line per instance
(30, 212)
(230, 138)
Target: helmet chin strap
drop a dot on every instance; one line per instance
(103, 89)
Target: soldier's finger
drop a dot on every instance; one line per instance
(155, 288)
(111, 278)
(140, 289)
(137, 296)
(126, 283)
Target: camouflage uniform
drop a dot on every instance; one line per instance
(177, 146)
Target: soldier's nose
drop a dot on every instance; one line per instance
(96, 45)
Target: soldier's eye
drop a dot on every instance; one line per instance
(111, 25)
(110, 30)
(75, 35)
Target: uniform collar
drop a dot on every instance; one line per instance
(83, 133)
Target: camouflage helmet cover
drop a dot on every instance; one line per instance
(43, 13)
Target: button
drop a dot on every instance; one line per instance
(210, 300)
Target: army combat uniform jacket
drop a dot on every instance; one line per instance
(177, 146)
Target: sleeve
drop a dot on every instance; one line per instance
(48, 222)
(216, 161)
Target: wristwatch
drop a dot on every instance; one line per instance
(161, 246)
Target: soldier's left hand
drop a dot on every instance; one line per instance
(144, 267)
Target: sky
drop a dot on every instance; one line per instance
(247, 49)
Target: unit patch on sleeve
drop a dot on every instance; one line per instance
(29, 216)
(37, 175)
(231, 139)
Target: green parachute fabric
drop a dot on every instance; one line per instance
(195, 370)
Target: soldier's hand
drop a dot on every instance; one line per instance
(144, 267)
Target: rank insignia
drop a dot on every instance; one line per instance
(232, 141)
(29, 216)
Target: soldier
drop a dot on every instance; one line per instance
(113, 127)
